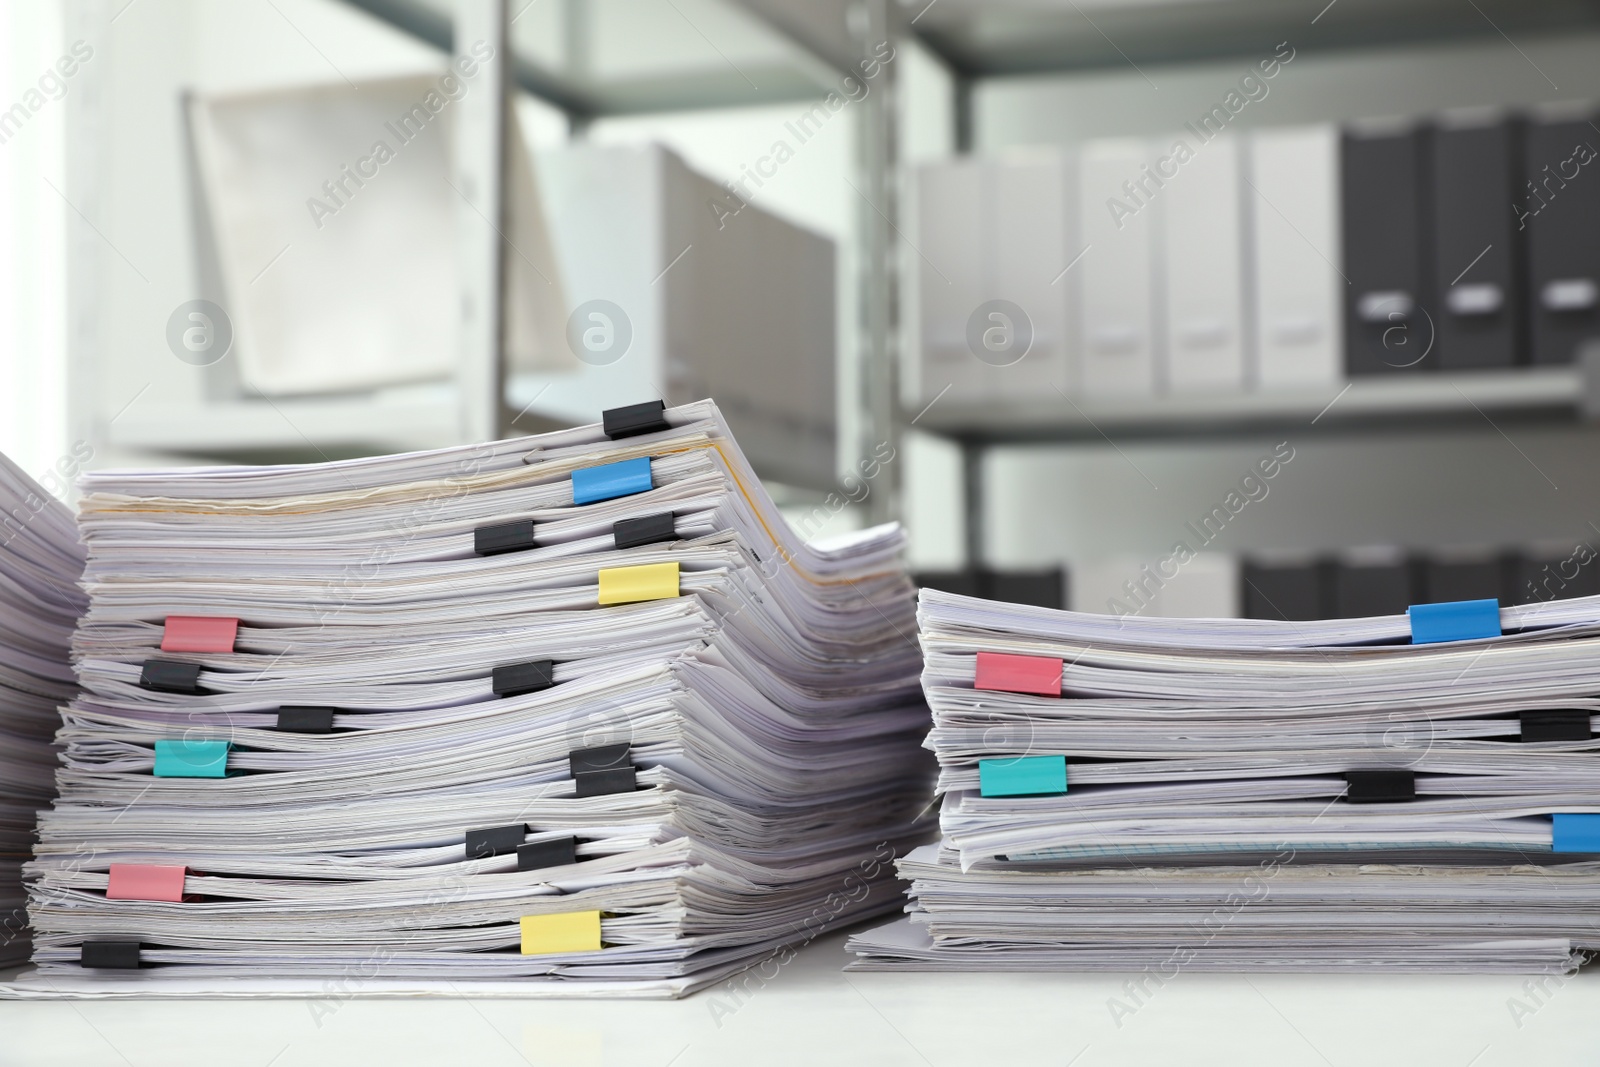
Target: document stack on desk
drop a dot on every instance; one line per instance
(1413, 792)
(40, 564)
(570, 714)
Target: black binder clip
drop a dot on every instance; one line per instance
(1380, 786)
(503, 537)
(635, 419)
(559, 852)
(305, 719)
(1564, 724)
(603, 770)
(110, 955)
(650, 530)
(495, 840)
(516, 679)
(170, 676)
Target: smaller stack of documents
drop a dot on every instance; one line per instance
(574, 713)
(1415, 792)
(40, 563)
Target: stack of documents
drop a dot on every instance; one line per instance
(40, 602)
(1417, 791)
(576, 710)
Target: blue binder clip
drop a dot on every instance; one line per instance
(612, 480)
(1456, 620)
(1575, 833)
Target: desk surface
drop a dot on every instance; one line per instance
(813, 1013)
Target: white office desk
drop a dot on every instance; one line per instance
(812, 1013)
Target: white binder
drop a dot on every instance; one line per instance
(991, 249)
(948, 261)
(1115, 276)
(1294, 217)
(1203, 238)
(1029, 251)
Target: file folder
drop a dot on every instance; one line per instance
(1389, 327)
(1029, 248)
(1203, 260)
(1372, 582)
(1477, 302)
(1115, 277)
(1293, 213)
(1293, 590)
(950, 231)
(1463, 574)
(1553, 571)
(993, 241)
(1558, 203)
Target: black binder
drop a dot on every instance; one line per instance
(965, 583)
(1548, 574)
(1462, 576)
(1558, 205)
(1294, 590)
(1363, 586)
(1045, 588)
(1387, 322)
(1478, 292)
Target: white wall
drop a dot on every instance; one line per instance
(33, 423)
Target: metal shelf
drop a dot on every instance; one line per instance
(777, 64)
(1486, 399)
(1398, 401)
(985, 38)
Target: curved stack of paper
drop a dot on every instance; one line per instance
(576, 710)
(1417, 792)
(40, 602)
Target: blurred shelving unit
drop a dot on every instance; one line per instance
(985, 39)
(676, 56)
(769, 52)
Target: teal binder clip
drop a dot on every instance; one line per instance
(192, 759)
(1022, 776)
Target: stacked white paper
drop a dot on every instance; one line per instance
(1212, 809)
(40, 602)
(768, 714)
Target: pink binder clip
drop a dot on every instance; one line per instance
(198, 633)
(1019, 674)
(136, 881)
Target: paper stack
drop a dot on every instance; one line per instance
(40, 602)
(1415, 792)
(576, 710)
